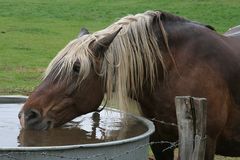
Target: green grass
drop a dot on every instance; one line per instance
(33, 31)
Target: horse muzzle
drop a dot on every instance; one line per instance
(32, 119)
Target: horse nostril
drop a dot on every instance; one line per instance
(32, 115)
(19, 115)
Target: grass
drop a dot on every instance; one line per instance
(33, 31)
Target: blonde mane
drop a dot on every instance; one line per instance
(130, 62)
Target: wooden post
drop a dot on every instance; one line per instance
(191, 116)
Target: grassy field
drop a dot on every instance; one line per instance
(33, 31)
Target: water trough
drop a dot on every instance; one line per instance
(95, 136)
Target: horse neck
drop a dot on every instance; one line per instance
(181, 34)
(191, 41)
(178, 34)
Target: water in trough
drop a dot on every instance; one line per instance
(105, 126)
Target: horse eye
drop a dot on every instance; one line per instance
(76, 68)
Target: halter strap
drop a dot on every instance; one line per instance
(101, 108)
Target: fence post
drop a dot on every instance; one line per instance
(191, 116)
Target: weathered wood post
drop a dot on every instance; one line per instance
(191, 116)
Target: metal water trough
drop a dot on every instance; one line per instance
(135, 148)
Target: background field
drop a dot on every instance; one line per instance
(33, 31)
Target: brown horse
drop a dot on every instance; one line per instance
(150, 57)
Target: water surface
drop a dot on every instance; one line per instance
(94, 127)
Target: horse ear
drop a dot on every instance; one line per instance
(101, 45)
(210, 27)
(83, 32)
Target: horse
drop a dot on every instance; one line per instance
(229, 141)
(151, 57)
(233, 32)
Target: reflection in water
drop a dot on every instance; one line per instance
(54, 137)
(90, 128)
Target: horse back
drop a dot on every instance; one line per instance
(233, 32)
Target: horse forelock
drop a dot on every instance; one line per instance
(130, 62)
(61, 67)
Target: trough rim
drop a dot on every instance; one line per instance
(22, 99)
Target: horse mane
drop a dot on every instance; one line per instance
(129, 64)
(132, 59)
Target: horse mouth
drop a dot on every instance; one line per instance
(34, 121)
(42, 126)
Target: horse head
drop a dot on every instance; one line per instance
(71, 86)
